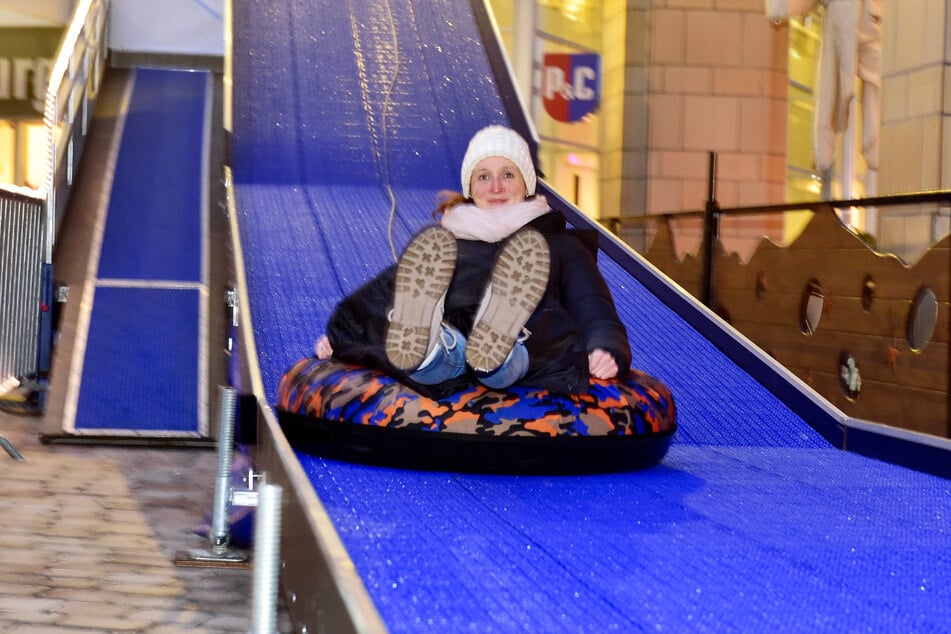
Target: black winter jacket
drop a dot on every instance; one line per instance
(576, 314)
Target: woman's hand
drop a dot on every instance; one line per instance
(323, 349)
(601, 364)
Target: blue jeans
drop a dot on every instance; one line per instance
(448, 361)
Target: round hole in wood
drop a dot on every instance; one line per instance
(868, 293)
(761, 286)
(922, 318)
(810, 307)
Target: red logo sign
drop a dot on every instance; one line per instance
(571, 85)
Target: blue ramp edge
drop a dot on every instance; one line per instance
(153, 228)
(140, 370)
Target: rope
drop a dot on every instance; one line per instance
(382, 161)
(387, 103)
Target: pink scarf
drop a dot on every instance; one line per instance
(468, 222)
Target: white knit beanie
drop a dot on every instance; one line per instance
(496, 140)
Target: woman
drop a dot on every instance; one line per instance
(500, 293)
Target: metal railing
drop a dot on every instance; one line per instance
(707, 222)
(21, 264)
(29, 219)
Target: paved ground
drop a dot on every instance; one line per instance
(89, 536)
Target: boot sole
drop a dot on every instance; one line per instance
(518, 283)
(423, 275)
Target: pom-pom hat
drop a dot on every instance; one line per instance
(496, 140)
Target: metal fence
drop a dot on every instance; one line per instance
(21, 263)
(908, 223)
(29, 219)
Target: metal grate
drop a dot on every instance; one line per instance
(21, 268)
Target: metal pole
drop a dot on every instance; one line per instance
(267, 553)
(10, 449)
(220, 533)
(711, 231)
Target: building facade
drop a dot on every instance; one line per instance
(683, 79)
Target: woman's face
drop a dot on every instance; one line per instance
(496, 182)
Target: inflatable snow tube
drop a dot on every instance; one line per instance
(352, 413)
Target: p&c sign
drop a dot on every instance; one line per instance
(571, 85)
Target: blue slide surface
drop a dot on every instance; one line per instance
(753, 522)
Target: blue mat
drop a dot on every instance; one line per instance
(143, 370)
(154, 226)
(752, 523)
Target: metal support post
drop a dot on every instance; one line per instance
(225, 494)
(267, 555)
(220, 534)
(711, 232)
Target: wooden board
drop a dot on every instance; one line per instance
(867, 302)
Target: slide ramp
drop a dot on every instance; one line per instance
(141, 366)
(753, 522)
